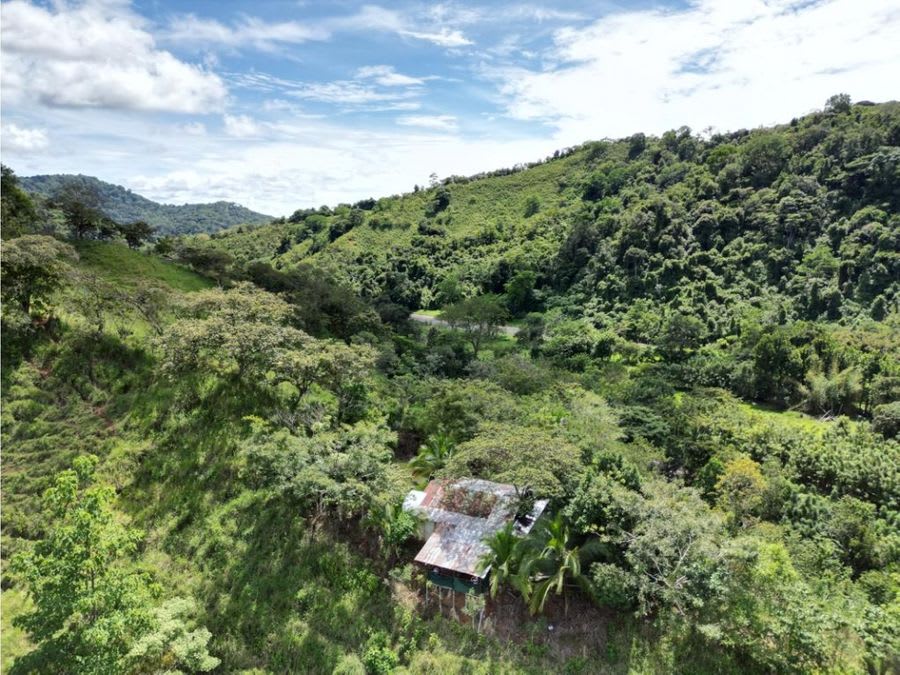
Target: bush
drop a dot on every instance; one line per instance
(379, 658)
(612, 586)
(886, 419)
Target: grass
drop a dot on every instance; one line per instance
(120, 265)
(13, 641)
(793, 419)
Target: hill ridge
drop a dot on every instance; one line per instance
(124, 205)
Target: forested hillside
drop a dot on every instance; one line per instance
(798, 220)
(207, 442)
(124, 206)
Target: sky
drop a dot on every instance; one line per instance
(284, 104)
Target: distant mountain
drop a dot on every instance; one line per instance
(124, 206)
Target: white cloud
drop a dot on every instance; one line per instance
(249, 31)
(14, 137)
(375, 18)
(386, 76)
(241, 126)
(373, 85)
(191, 30)
(97, 54)
(443, 38)
(347, 92)
(729, 64)
(194, 128)
(437, 122)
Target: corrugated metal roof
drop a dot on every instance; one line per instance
(457, 542)
(454, 548)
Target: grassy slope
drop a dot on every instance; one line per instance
(493, 201)
(496, 200)
(121, 266)
(40, 437)
(13, 641)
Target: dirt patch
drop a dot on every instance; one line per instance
(580, 631)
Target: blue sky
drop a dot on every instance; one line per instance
(285, 104)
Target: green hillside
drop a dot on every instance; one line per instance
(124, 206)
(799, 220)
(207, 445)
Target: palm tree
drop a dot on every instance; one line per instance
(433, 455)
(503, 556)
(560, 562)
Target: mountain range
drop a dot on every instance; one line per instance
(125, 206)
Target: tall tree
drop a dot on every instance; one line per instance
(80, 206)
(17, 212)
(34, 267)
(480, 317)
(502, 558)
(136, 233)
(89, 605)
(557, 565)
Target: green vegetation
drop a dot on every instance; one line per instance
(206, 447)
(124, 206)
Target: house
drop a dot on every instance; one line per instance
(457, 516)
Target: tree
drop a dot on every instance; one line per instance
(673, 550)
(33, 268)
(175, 643)
(502, 558)
(17, 212)
(480, 317)
(89, 605)
(236, 334)
(777, 365)
(557, 564)
(886, 419)
(763, 157)
(331, 474)
(80, 205)
(150, 302)
(839, 103)
(532, 205)
(521, 455)
(433, 455)
(832, 392)
(602, 506)
(439, 202)
(394, 526)
(768, 612)
(520, 291)
(570, 343)
(136, 233)
(681, 333)
(741, 488)
(207, 260)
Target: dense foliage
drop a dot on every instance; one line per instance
(124, 206)
(206, 447)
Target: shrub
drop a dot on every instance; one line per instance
(886, 419)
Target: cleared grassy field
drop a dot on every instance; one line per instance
(788, 418)
(13, 641)
(120, 265)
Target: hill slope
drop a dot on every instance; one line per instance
(798, 220)
(124, 206)
(258, 437)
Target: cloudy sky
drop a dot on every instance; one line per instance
(279, 104)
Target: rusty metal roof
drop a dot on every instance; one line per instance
(457, 540)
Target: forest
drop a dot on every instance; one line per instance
(123, 205)
(689, 344)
